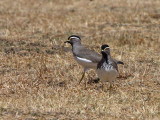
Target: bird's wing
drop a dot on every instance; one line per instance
(118, 62)
(114, 64)
(88, 54)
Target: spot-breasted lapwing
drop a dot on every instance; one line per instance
(84, 56)
(107, 68)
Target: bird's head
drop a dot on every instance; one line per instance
(73, 39)
(105, 49)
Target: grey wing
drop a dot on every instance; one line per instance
(89, 54)
(114, 64)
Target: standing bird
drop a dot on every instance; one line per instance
(107, 68)
(84, 56)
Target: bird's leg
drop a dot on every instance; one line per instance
(82, 76)
(110, 85)
(102, 86)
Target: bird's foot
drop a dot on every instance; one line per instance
(96, 80)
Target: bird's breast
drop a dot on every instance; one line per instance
(107, 73)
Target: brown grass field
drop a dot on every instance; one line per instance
(39, 77)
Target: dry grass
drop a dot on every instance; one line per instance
(39, 78)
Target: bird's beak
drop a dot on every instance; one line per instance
(67, 41)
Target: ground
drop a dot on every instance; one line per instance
(39, 77)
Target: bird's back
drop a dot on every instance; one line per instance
(86, 53)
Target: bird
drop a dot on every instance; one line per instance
(87, 58)
(107, 69)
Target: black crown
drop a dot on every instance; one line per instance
(104, 46)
